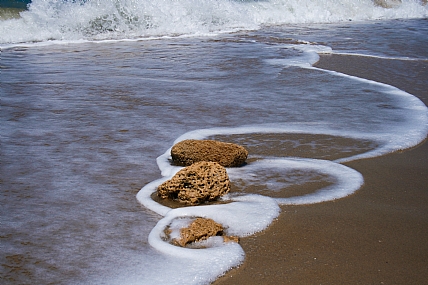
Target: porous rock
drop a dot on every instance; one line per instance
(195, 184)
(231, 239)
(387, 3)
(200, 229)
(187, 152)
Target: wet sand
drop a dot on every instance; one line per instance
(379, 235)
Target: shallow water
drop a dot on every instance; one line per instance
(82, 125)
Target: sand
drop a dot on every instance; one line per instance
(379, 235)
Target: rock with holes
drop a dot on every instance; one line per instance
(187, 152)
(387, 3)
(200, 229)
(195, 184)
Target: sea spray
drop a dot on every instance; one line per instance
(94, 20)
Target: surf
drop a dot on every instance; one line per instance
(95, 20)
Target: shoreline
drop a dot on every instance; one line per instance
(378, 235)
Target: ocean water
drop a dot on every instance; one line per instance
(94, 93)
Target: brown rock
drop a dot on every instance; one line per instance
(199, 230)
(187, 152)
(387, 3)
(195, 184)
(231, 239)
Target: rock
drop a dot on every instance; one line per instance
(387, 3)
(231, 239)
(198, 230)
(185, 231)
(187, 152)
(195, 184)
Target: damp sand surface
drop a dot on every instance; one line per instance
(377, 235)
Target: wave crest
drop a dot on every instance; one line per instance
(129, 19)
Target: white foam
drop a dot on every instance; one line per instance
(406, 134)
(243, 216)
(307, 57)
(346, 179)
(404, 58)
(144, 198)
(183, 265)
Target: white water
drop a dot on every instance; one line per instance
(66, 21)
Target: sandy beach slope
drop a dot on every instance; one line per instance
(379, 235)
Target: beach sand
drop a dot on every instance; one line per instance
(379, 235)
